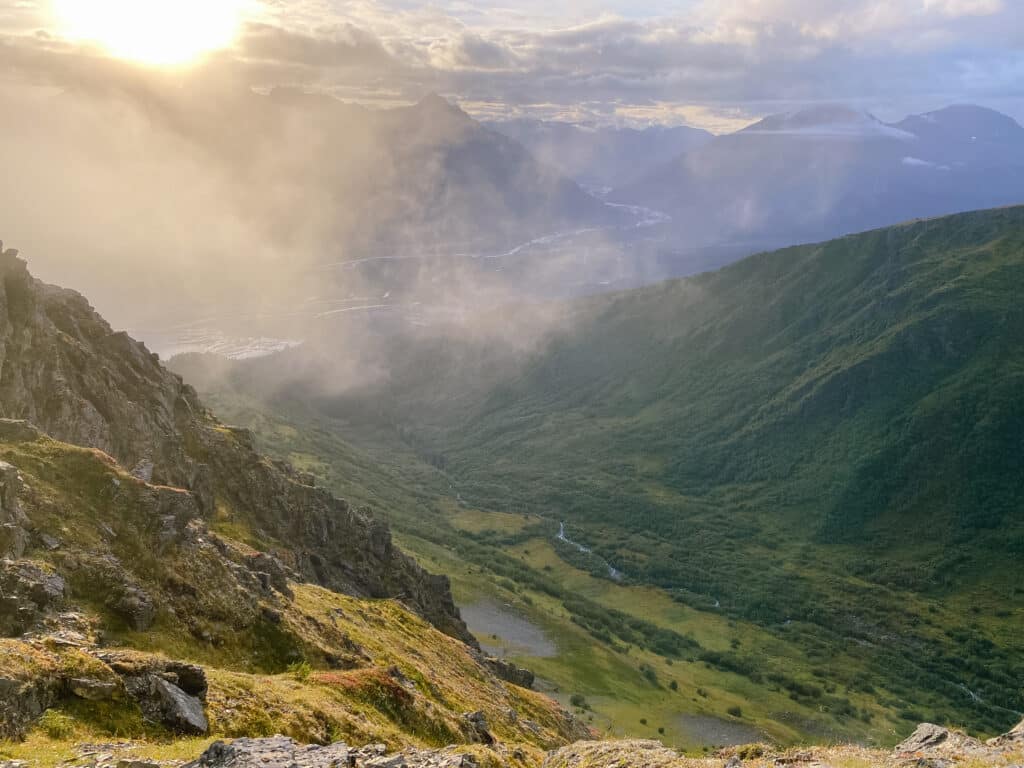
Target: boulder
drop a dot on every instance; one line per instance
(180, 712)
(476, 728)
(929, 739)
(191, 678)
(135, 606)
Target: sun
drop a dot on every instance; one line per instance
(156, 32)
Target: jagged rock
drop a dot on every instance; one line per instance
(273, 752)
(164, 702)
(13, 540)
(191, 678)
(135, 606)
(23, 701)
(271, 572)
(27, 593)
(181, 712)
(476, 728)
(18, 431)
(508, 672)
(10, 488)
(143, 470)
(930, 739)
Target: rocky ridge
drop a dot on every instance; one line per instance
(65, 371)
(137, 530)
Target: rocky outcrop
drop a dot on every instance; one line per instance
(507, 671)
(282, 752)
(65, 370)
(1014, 739)
(13, 536)
(23, 701)
(476, 729)
(27, 593)
(274, 752)
(932, 741)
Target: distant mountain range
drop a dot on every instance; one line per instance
(326, 208)
(828, 171)
(599, 157)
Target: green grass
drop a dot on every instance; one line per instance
(822, 441)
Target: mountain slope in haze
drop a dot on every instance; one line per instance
(317, 202)
(820, 441)
(161, 580)
(829, 171)
(602, 157)
(64, 370)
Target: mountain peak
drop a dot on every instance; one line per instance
(964, 122)
(434, 103)
(826, 120)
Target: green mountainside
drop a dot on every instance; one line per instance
(812, 456)
(161, 582)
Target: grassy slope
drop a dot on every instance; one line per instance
(401, 681)
(822, 440)
(473, 547)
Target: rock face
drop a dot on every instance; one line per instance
(13, 536)
(23, 701)
(508, 672)
(64, 369)
(27, 592)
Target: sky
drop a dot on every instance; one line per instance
(716, 64)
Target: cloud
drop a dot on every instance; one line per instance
(740, 58)
(345, 45)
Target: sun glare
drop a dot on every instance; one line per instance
(157, 32)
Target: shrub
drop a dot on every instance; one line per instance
(300, 670)
(735, 711)
(57, 725)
